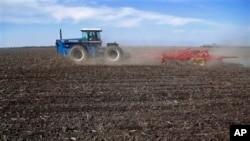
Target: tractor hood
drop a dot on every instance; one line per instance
(72, 40)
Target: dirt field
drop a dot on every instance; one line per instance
(43, 96)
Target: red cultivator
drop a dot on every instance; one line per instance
(196, 57)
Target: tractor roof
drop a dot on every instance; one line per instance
(91, 29)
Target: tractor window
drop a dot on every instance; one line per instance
(98, 36)
(85, 36)
(92, 36)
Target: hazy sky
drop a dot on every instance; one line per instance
(128, 22)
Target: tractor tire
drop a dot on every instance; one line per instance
(78, 54)
(113, 54)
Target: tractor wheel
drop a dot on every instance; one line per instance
(78, 54)
(113, 54)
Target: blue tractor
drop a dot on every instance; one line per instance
(89, 46)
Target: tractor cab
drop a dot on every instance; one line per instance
(92, 35)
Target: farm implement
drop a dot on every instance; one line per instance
(196, 57)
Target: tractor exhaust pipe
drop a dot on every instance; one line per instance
(60, 34)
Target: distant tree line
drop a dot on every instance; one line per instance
(32, 47)
(210, 45)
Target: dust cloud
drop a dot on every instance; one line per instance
(243, 54)
(142, 56)
(152, 55)
(132, 56)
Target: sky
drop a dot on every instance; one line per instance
(127, 22)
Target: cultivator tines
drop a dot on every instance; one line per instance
(196, 57)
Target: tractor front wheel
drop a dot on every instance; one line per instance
(113, 54)
(78, 54)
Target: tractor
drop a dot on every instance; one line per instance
(79, 50)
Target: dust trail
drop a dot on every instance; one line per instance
(242, 52)
(136, 56)
(152, 55)
(142, 56)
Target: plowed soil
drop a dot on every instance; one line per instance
(43, 96)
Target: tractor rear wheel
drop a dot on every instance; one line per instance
(113, 54)
(78, 54)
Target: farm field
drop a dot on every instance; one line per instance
(44, 96)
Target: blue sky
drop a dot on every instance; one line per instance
(128, 22)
